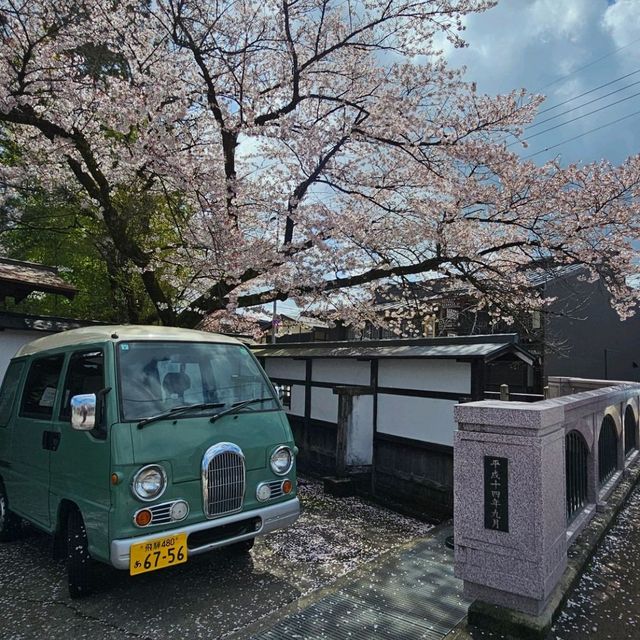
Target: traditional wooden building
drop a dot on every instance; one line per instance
(382, 411)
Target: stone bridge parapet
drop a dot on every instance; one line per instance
(528, 478)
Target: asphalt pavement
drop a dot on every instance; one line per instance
(411, 593)
(212, 596)
(347, 570)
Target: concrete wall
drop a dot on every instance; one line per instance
(423, 419)
(286, 368)
(426, 375)
(341, 371)
(399, 413)
(10, 341)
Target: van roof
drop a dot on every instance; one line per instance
(119, 333)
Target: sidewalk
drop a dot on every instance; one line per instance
(410, 594)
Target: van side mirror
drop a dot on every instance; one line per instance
(279, 391)
(83, 411)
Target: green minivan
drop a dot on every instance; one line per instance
(141, 446)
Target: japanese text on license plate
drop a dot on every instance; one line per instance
(157, 553)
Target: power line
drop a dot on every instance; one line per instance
(584, 104)
(586, 66)
(586, 93)
(590, 64)
(584, 115)
(606, 84)
(608, 124)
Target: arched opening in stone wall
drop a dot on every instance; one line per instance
(576, 454)
(607, 449)
(630, 431)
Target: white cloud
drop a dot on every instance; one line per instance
(622, 21)
(566, 19)
(536, 43)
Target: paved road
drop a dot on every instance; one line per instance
(211, 596)
(411, 594)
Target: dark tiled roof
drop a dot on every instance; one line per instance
(19, 279)
(49, 324)
(486, 348)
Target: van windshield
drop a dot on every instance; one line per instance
(155, 377)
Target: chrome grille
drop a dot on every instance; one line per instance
(160, 514)
(223, 479)
(276, 489)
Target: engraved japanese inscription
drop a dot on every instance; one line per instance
(496, 493)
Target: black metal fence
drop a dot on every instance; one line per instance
(630, 429)
(607, 450)
(576, 452)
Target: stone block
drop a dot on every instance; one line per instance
(339, 487)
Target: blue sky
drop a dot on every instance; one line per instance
(563, 48)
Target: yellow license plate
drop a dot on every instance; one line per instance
(157, 553)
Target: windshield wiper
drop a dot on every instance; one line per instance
(237, 407)
(176, 411)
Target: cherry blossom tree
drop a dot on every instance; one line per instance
(308, 149)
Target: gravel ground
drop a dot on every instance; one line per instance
(212, 595)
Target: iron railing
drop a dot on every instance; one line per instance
(576, 454)
(607, 450)
(630, 428)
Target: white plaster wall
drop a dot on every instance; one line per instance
(297, 400)
(11, 340)
(285, 368)
(425, 419)
(341, 371)
(360, 440)
(428, 375)
(324, 404)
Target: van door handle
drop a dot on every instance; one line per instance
(50, 440)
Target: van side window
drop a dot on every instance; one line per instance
(85, 374)
(8, 391)
(39, 394)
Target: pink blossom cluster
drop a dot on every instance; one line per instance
(317, 149)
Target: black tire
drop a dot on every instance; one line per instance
(10, 524)
(79, 563)
(242, 547)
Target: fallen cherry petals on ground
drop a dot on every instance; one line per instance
(604, 604)
(211, 596)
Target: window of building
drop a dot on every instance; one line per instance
(285, 395)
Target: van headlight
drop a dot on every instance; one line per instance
(149, 482)
(281, 461)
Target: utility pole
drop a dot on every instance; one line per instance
(275, 302)
(273, 322)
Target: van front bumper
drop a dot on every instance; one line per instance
(276, 516)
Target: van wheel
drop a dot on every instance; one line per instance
(9, 522)
(242, 547)
(79, 563)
